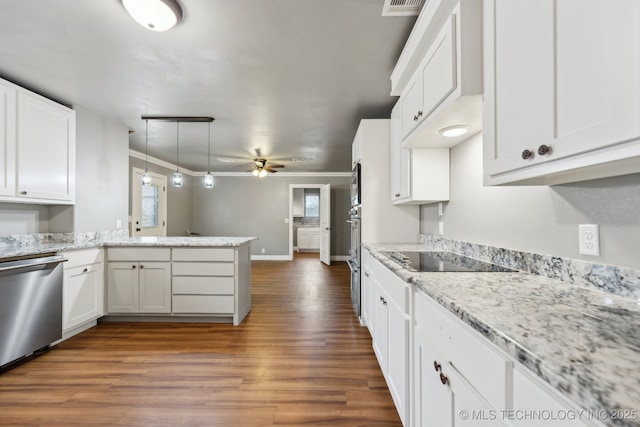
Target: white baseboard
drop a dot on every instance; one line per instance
(269, 257)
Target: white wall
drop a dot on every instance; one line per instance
(102, 150)
(538, 219)
(244, 206)
(22, 218)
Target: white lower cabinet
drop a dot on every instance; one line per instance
(204, 281)
(389, 323)
(308, 238)
(83, 290)
(139, 280)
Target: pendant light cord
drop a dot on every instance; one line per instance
(209, 155)
(178, 146)
(146, 145)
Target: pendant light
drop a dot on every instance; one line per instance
(154, 15)
(177, 176)
(208, 178)
(146, 176)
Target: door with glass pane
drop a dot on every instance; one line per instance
(148, 205)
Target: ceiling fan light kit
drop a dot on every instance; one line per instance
(154, 15)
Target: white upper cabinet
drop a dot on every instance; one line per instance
(7, 139)
(419, 175)
(38, 138)
(562, 90)
(439, 74)
(356, 149)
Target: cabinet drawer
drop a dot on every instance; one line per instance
(483, 366)
(203, 285)
(207, 304)
(139, 254)
(204, 254)
(203, 269)
(82, 257)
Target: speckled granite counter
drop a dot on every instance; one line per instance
(582, 341)
(10, 249)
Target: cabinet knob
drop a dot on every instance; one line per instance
(138, 229)
(141, 267)
(397, 195)
(133, 266)
(419, 113)
(443, 379)
(23, 193)
(527, 154)
(544, 149)
(85, 270)
(366, 274)
(437, 366)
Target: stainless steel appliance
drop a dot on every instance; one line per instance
(434, 261)
(30, 305)
(354, 257)
(355, 186)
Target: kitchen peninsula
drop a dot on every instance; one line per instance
(113, 277)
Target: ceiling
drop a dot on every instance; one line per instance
(289, 78)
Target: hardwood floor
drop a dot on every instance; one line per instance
(300, 358)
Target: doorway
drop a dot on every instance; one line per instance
(148, 205)
(310, 220)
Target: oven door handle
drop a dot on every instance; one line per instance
(352, 265)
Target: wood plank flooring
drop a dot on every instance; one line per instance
(300, 358)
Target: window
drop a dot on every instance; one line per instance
(150, 195)
(312, 204)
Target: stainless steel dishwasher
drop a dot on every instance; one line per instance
(30, 305)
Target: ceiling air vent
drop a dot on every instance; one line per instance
(402, 7)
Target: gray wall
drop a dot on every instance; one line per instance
(538, 219)
(179, 200)
(244, 206)
(102, 148)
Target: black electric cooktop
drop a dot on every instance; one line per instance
(433, 261)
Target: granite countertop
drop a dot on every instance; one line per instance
(583, 342)
(10, 250)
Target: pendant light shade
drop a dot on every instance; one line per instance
(154, 15)
(146, 176)
(208, 178)
(177, 176)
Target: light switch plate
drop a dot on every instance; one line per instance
(441, 228)
(589, 239)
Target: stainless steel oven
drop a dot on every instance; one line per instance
(354, 257)
(355, 186)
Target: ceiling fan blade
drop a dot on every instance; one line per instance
(271, 165)
(270, 170)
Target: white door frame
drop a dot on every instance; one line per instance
(291, 187)
(136, 180)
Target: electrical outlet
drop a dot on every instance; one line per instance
(440, 209)
(118, 224)
(262, 251)
(589, 239)
(441, 228)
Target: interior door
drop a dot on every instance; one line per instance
(325, 224)
(148, 205)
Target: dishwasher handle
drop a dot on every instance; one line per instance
(31, 262)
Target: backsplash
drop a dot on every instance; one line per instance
(30, 239)
(621, 281)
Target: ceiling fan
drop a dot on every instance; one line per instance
(260, 168)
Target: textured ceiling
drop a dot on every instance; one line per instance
(290, 78)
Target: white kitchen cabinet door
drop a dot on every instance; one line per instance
(400, 158)
(562, 91)
(411, 102)
(398, 358)
(365, 298)
(356, 149)
(432, 401)
(381, 321)
(46, 133)
(83, 295)
(7, 139)
(155, 287)
(530, 394)
(122, 290)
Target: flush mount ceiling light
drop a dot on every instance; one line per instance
(453, 131)
(155, 15)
